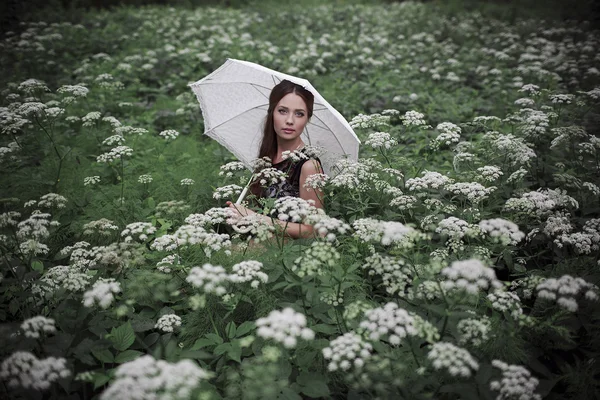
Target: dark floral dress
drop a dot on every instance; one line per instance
(291, 186)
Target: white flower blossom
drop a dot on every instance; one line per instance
(36, 326)
(23, 369)
(454, 360)
(470, 276)
(347, 351)
(249, 271)
(516, 383)
(145, 378)
(168, 322)
(284, 327)
(209, 278)
(102, 293)
(566, 290)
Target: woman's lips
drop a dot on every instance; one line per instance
(288, 130)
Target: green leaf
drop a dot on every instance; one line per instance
(122, 337)
(288, 394)
(151, 339)
(230, 329)
(104, 355)
(38, 266)
(214, 337)
(140, 324)
(324, 328)
(127, 355)
(202, 342)
(100, 379)
(313, 384)
(244, 328)
(235, 352)
(221, 349)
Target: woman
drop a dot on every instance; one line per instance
(290, 109)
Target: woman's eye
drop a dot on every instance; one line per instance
(300, 114)
(281, 110)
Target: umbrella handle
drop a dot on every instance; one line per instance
(243, 194)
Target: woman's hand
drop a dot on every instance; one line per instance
(240, 209)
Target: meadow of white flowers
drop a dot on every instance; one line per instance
(457, 259)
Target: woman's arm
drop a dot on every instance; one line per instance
(294, 229)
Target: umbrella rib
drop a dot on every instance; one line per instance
(234, 117)
(326, 127)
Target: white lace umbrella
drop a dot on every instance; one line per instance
(235, 98)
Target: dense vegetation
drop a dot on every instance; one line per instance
(459, 255)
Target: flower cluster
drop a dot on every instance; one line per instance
(449, 134)
(187, 235)
(455, 360)
(293, 209)
(91, 118)
(249, 271)
(74, 90)
(114, 139)
(473, 191)
(389, 321)
(362, 121)
(515, 149)
(404, 202)
(328, 227)
(146, 178)
(316, 182)
(285, 327)
(516, 383)
(294, 156)
(566, 290)
(227, 192)
(168, 323)
(166, 264)
(384, 232)
(413, 118)
(212, 216)
(378, 140)
(187, 182)
(52, 200)
(506, 302)
(502, 231)
(169, 134)
(130, 130)
(36, 226)
(392, 271)
(320, 255)
(469, 275)
(138, 231)
(490, 173)
(91, 180)
(209, 278)
(455, 228)
(37, 326)
(254, 226)
(69, 278)
(347, 351)
(144, 377)
(102, 293)
(474, 331)
(430, 180)
(23, 369)
(114, 154)
(270, 176)
(103, 227)
(231, 168)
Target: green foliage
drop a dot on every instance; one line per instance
(100, 267)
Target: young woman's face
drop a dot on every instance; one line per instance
(289, 117)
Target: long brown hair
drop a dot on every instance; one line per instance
(268, 145)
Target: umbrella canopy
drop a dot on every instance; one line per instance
(235, 99)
